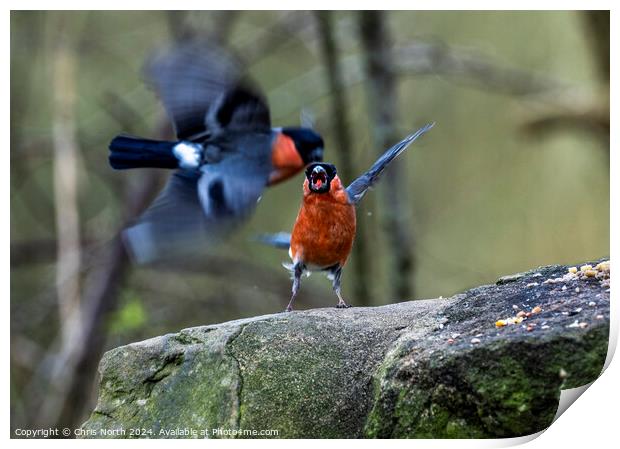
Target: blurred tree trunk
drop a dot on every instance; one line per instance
(597, 23)
(342, 132)
(66, 154)
(383, 105)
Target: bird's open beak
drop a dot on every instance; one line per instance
(318, 178)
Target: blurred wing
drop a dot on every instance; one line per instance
(358, 188)
(172, 224)
(230, 189)
(281, 240)
(201, 87)
(199, 208)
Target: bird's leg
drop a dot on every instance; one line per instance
(298, 270)
(336, 272)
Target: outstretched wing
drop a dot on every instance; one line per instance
(358, 188)
(204, 91)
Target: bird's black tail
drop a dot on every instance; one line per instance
(134, 152)
(358, 188)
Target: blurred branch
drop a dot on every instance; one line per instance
(66, 181)
(583, 111)
(342, 132)
(383, 107)
(463, 65)
(286, 28)
(587, 113)
(25, 253)
(420, 58)
(122, 112)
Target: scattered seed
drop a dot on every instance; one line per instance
(516, 307)
(529, 328)
(592, 304)
(583, 325)
(564, 288)
(537, 309)
(475, 341)
(574, 324)
(577, 290)
(450, 341)
(521, 314)
(578, 309)
(603, 266)
(545, 327)
(599, 317)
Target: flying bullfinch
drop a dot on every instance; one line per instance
(225, 154)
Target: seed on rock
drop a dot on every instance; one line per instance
(537, 309)
(577, 290)
(599, 317)
(545, 327)
(450, 341)
(515, 307)
(475, 341)
(583, 325)
(603, 266)
(578, 309)
(592, 304)
(521, 314)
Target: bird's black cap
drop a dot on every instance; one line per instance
(308, 142)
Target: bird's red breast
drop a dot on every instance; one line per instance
(325, 227)
(285, 159)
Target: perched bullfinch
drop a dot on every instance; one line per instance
(225, 154)
(324, 230)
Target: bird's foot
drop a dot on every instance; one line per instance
(288, 309)
(342, 305)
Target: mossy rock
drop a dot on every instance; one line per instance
(421, 369)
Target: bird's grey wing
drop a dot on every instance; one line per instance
(199, 208)
(230, 189)
(173, 224)
(204, 91)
